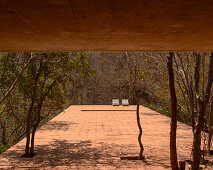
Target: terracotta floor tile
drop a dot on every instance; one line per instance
(78, 139)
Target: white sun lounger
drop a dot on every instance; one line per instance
(125, 102)
(115, 102)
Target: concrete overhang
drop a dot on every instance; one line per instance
(106, 25)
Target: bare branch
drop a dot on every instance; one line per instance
(210, 80)
(197, 59)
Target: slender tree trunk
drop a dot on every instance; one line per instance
(134, 74)
(32, 140)
(196, 154)
(197, 130)
(210, 125)
(138, 114)
(193, 116)
(32, 151)
(28, 127)
(211, 110)
(173, 125)
(208, 93)
(140, 129)
(203, 103)
(33, 98)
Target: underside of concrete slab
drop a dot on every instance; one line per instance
(106, 25)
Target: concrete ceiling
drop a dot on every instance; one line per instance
(106, 25)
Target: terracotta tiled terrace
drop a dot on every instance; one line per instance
(96, 136)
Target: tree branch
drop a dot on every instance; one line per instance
(13, 86)
(210, 80)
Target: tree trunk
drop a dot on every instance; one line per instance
(134, 74)
(140, 131)
(210, 125)
(39, 107)
(192, 113)
(138, 116)
(203, 103)
(173, 125)
(32, 151)
(33, 98)
(196, 153)
(28, 127)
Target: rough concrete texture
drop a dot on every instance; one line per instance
(106, 25)
(78, 139)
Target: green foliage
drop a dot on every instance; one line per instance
(163, 110)
(47, 80)
(182, 117)
(86, 78)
